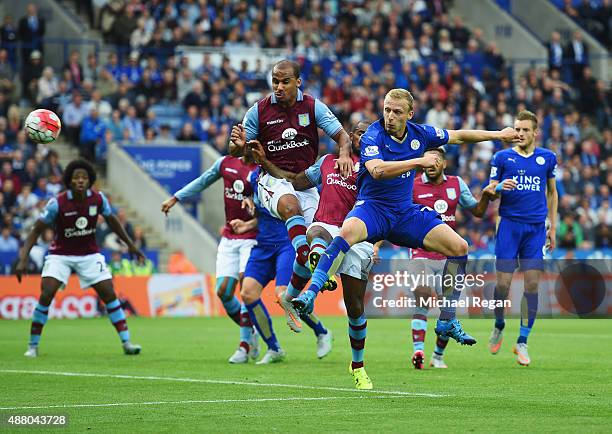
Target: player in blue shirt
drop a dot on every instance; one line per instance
(521, 232)
(391, 149)
(271, 258)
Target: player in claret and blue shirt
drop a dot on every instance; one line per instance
(391, 149)
(445, 194)
(521, 231)
(234, 249)
(73, 215)
(286, 124)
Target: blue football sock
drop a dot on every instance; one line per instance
(314, 323)
(500, 322)
(39, 319)
(357, 335)
(261, 320)
(117, 318)
(329, 263)
(529, 311)
(454, 266)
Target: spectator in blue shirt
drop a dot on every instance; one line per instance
(92, 134)
(8, 243)
(115, 125)
(74, 113)
(133, 124)
(113, 66)
(41, 189)
(132, 71)
(191, 117)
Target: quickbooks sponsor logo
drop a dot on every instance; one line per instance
(288, 145)
(336, 179)
(72, 232)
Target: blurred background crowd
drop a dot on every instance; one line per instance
(351, 53)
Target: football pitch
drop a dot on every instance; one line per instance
(182, 381)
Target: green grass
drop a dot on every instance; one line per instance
(568, 387)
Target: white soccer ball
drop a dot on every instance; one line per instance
(42, 126)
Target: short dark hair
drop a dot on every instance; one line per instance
(356, 125)
(284, 64)
(439, 150)
(526, 115)
(79, 164)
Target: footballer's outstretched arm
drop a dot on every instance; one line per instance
(329, 123)
(459, 137)
(199, 184)
(507, 184)
(380, 169)
(345, 162)
(468, 201)
(237, 141)
(481, 207)
(241, 133)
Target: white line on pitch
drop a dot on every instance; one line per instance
(236, 383)
(203, 401)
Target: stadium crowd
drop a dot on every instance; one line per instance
(351, 53)
(29, 176)
(595, 16)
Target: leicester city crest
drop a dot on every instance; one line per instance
(303, 119)
(451, 193)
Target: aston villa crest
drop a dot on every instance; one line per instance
(451, 193)
(303, 119)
